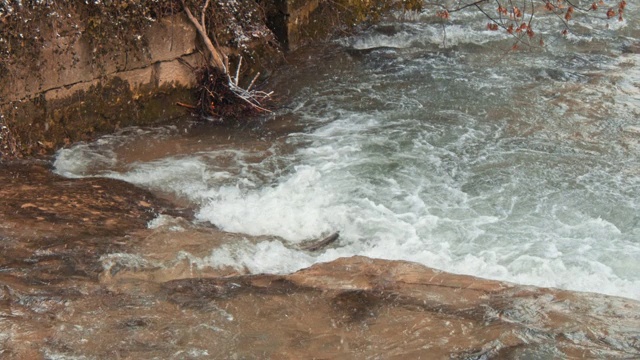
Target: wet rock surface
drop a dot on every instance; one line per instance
(81, 276)
(56, 226)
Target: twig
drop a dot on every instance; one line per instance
(186, 105)
(253, 81)
(220, 61)
(238, 70)
(202, 16)
(322, 243)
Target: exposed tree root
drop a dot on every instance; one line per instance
(220, 94)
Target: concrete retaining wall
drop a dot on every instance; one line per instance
(71, 86)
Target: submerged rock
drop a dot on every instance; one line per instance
(363, 308)
(352, 308)
(53, 227)
(88, 269)
(81, 276)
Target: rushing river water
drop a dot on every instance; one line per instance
(446, 150)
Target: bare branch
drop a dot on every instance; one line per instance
(204, 11)
(216, 56)
(220, 61)
(253, 81)
(238, 71)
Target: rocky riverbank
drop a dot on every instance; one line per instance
(82, 276)
(98, 268)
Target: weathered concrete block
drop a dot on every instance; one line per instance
(65, 61)
(297, 22)
(174, 73)
(171, 38)
(139, 80)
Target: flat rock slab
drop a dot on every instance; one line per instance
(82, 277)
(49, 219)
(364, 308)
(43, 201)
(351, 308)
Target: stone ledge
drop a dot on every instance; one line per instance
(65, 62)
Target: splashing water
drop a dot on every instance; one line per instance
(522, 167)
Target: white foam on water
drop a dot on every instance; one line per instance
(186, 176)
(167, 222)
(78, 160)
(412, 35)
(264, 257)
(453, 161)
(88, 159)
(293, 210)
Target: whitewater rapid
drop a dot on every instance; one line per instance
(521, 167)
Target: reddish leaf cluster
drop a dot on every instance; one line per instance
(444, 14)
(516, 12)
(621, 6)
(569, 13)
(517, 22)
